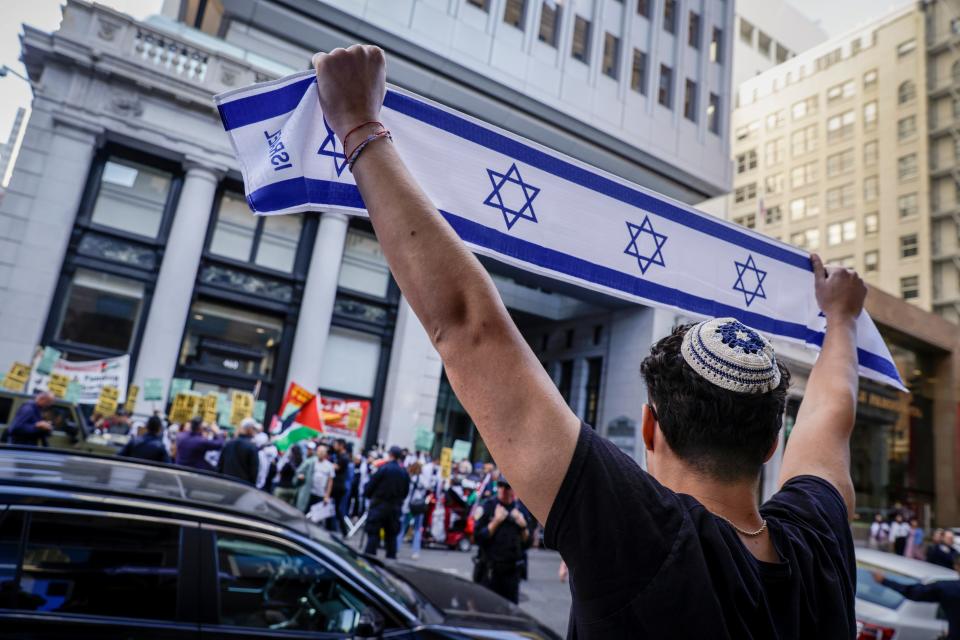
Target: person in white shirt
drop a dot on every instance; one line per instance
(899, 532)
(879, 532)
(315, 479)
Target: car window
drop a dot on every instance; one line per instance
(272, 586)
(62, 419)
(11, 526)
(100, 566)
(872, 591)
(6, 404)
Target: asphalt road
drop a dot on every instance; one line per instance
(543, 596)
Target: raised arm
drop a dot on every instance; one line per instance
(819, 444)
(523, 419)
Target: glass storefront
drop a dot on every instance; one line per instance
(231, 340)
(100, 310)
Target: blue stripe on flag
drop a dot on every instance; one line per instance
(263, 106)
(300, 191)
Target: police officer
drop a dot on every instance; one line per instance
(386, 490)
(502, 535)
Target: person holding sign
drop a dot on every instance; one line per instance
(681, 551)
(29, 426)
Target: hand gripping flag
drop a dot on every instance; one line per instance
(538, 209)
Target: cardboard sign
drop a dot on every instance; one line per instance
(185, 406)
(58, 385)
(131, 403)
(241, 407)
(108, 401)
(48, 359)
(153, 390)
(93, 376)
(17, 377)
(446, 461)
(461, 450)
(210, 402)
(423, 439)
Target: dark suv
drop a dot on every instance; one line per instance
(95, 546)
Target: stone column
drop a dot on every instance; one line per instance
(170, 305)
(316, 309)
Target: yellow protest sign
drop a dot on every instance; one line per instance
(16, 378)
(57, 385)
(131, 403)
(242, 407)
(107, 402)
(185, 406)
(210, 407)
(446, 461)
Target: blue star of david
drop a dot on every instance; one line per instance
(750, 294)
(632, 249)
(329, 148)
(495, 199)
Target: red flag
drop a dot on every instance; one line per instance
(309, 415)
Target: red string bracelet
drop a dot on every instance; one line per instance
(360, 126)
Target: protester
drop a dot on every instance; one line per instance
(193, 445)
(286, 488)
(879, 532)
(239, 457)
(341, 465)
(914, 541)
(413, 510)
(946, 593)
(28, 426)
(267, 473)
(314, 479)
(675, 552)
(899, 532)
(149, 446)
(502, 535)
(941, 551)
(386, 490)
(117, 424)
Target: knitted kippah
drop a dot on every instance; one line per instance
(731, 355)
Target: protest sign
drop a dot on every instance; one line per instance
(423, 439)
(57, 385)
(153, 389)
(108, 401)
(130, 404)
(48, 358)
(210, 402)
(461, 450)
(241, 407)
(186, 405)
(74, 389)
(17, 376)
(92, 376)
(344, 418)
(179, 385)
(446, 462)
(259, 410)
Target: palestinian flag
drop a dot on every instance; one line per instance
(302, 424)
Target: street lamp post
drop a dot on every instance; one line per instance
(4, 70)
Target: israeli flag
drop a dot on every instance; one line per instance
(538, 209)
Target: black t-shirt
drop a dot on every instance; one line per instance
(646, 562)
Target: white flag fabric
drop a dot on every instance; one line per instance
(537, 209)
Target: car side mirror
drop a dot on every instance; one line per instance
(369, 625)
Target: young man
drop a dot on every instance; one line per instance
(150, 445)
(502, 533)
(681, 551)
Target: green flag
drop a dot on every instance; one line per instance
(294, 434)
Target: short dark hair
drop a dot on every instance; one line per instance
(723, 434)
(196, 424)
(154, 425)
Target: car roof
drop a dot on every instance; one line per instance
(922, 571)
(128, 477)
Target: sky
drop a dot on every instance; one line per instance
(834, 16)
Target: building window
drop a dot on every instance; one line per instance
(665, 92)
(906, 127)
(840, 126)
(611, 55)
(363, 268)
(841, 91)
(483, 5)
(907, 205)
(267, 241)
(803, 175)
(870, 80)
(839, 163)
(670, 16)
(773, 215)
(906, 48)
(132, 197)
(690, 104)
(847, 262)
(908, 246)
(231, 339)
(513, 13)
(693, 30)
(100, 310)
(805, 207)
(840, 197)
(809, 239)
(351, 361)
(871, 224)
(804, 140)
(746, 32)
(871, 188)
(773, 184)
(907, 167)
(549, 23)
(806, 107)
(643, 8)
(580, 46)
(746, 161)
(870, 153)
(776, 119)
(906, 92)
(638, 74)
(749, 221)
(910, 287)
(592, 390)
(782, 53)
(748, 130)
(871, 261)
(713, 114)
(840, 232)
(870, 116)
(774, 151)
(744, 193)
(764, 43)
(716, 45)
(565, 386)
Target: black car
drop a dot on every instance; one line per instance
(94, 546)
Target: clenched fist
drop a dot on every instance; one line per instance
(351, 84)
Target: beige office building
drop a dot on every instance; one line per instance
(831, 154)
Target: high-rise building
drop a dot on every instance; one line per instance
(943, 106)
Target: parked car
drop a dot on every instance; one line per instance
(108, 547)
(883, 613)
(71, 429)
